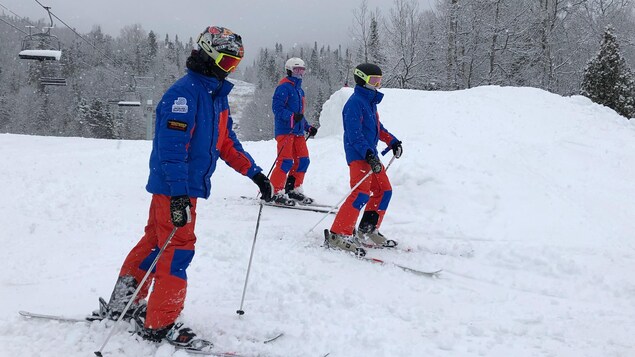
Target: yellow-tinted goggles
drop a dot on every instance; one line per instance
(224, 61)
(373, 80)
(227, 63)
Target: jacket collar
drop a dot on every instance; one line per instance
(371, 95)
(296, 82)
(213, 85)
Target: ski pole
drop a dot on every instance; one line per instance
(123, 313)
(349, 192)
(240, 311)
(280, 151)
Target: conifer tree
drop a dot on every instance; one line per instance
(608, 80)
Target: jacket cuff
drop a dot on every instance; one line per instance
(253, 170)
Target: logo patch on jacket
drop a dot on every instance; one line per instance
(177, 125)
(180, 105)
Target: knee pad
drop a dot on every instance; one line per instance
(303, 165)
(180, 261)
(360, 201)
(286, 165)
(385, 200)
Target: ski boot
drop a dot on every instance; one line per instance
(296, 193)
(121, 294)
(282, 199)
(368, 234)
(373, 238)
(175, 334)
(340, 241)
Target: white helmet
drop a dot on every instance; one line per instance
(293, 62)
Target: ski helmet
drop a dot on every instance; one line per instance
(223, 46)
(292, 63)
(367, 74)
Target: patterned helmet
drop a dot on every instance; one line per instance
(222, 40)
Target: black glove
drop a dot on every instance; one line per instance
(265, 186)
(312, 131)
(180, 210)
(397, 150)
(373, 161)
(297, 117)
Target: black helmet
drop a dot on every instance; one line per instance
(219, 52)
(364, 70)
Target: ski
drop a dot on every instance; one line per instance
(393, 249)
(32, 315)
(299, 207)
(430, 273)
(210, 353)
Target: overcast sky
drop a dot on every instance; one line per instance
(260, 22)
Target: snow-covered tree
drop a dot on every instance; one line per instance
(608, 80)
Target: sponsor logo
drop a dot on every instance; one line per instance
(180, 105)
(177, 125)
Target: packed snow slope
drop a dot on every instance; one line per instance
(526, 200)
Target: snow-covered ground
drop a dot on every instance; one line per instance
(525, 199)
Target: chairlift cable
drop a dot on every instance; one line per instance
(16, 15)
(78, 35)
(10, 24)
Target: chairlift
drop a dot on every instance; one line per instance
(52, 81)
(127, 103)
(41, 46)
(131, 97)
(44, 47)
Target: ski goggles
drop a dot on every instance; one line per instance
(224, 61)
(373, 80)
(227, 63)
(298, 70)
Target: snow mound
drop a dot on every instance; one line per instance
(523, 197)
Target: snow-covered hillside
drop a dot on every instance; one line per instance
(524, 198)
(241, 94)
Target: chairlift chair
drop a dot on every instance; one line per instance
(44, 47)
(126, 103)
(41, 46)
(52, 81)
(30, 50)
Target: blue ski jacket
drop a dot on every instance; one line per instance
(194, 129)
(362, 128)
(288, 99)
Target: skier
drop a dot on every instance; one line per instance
(362, 130)
(193, 130)
(290, 125)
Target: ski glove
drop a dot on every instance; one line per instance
(180, 210)
(265, 186)
(312, 131)
(397, 150)
(297, 117)
(373, 161)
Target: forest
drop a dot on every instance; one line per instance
(458, 44)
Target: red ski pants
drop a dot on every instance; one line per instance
(375, 192)
(292, 161)
(170, 280)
